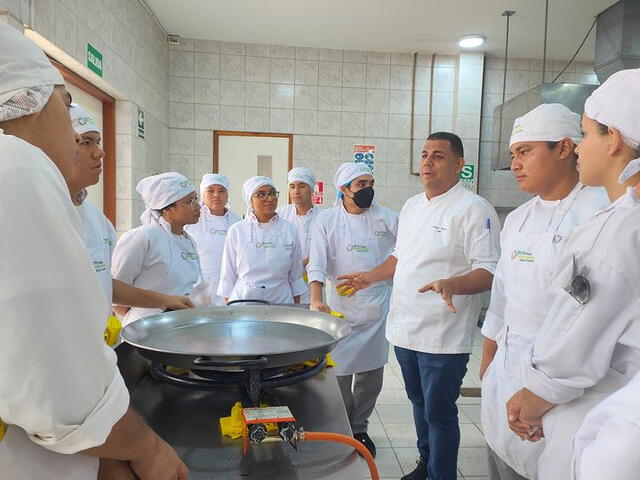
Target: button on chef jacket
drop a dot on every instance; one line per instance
(262, 261)
(153, 258)
(449, 235)
(608, 442)
(60, 389)
(583, 353)
(210, 234)
(100, 238)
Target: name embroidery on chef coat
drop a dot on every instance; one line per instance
(439, 229)
(189, 256)
(99, 266)
(288, 246)
(221, 233)
(357, 248)
(381, 233)
(107, 241)
(265, 245)
(522, 256)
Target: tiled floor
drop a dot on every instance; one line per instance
(394, 434)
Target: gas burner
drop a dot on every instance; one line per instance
(254, 384)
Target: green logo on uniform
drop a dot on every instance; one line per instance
(99, 266)
(357, 248)
(523, 256)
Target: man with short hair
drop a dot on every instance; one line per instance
(301, 212)
(542, 148)
(447, 245)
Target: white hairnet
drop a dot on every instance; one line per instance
(616, 104)
(302, 174)
(209, 179)
(250, 186)
(27, 77)
(347, 172)
(81, 121)
(158, 191)
(549, 122)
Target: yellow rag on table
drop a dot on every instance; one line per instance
(112, 331)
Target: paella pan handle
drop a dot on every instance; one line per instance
(248, 300)
(252, 362)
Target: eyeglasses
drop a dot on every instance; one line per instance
(192, 203)
(263, 195)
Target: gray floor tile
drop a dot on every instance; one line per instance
(401, 434)
(473, 461)
(471, 436)
(395, 413)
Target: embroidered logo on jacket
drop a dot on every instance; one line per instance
(523, 256)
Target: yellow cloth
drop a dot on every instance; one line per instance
(112, 331)
(3, 429)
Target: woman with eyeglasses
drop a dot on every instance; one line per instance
(262, 256)
(159, 255)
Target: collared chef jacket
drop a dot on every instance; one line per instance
(449, 235)
(60, 389)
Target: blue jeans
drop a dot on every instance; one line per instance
(433, 384)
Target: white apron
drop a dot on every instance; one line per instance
(181, 274)
(367, 347)
(527, 280)
(268, 253)
(210, 234)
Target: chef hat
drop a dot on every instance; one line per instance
(302, 174)
(27, 77)
(549, 122)
(81, 121)
(347, 172)
(616, 103)
(250, 186)
(209, 179)
(158, 191)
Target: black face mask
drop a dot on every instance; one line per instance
(363, 198)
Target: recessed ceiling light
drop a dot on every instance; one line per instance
(471, 41)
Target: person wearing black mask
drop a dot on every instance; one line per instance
(355, 234)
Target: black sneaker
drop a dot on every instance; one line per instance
(365, 439)
(420, 472)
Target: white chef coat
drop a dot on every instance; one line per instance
(209, 234)
(262, 262)
(60, 389)
(341, 243)
(530, 242)
(608, 442)
(152, 257)
(303, 225)
(447, 236)
(583, 353)
(100, 238)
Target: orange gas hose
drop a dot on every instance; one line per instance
(352, 442)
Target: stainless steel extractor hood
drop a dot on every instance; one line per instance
(617, 48)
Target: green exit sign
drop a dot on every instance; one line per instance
(468, 172)
(94, 60)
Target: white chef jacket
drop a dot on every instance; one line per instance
(343, 243)
(583, 353)
(209, 234)
(536, 217)
(608, 442)
(447, 236)
(262, 261)
(60, 389)
(530, 241)
(152, 257)
(100, 238)
(303, 225)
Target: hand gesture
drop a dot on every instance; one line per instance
(443, 287)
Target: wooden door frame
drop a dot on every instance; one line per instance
(229, 133)
(108, 136)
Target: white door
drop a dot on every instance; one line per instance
(93, 106)
(241, 157)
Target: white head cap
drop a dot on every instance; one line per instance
(250, 186)
(81, 121)
(549, 122)
(616, 104)
(209, 179)
(27, 77)
(158, 191)
(302, 174)
(347, 172)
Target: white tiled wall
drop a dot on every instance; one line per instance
(499, 187)
(135, 64)
(329, 100)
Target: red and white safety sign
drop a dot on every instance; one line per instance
(317, 197)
